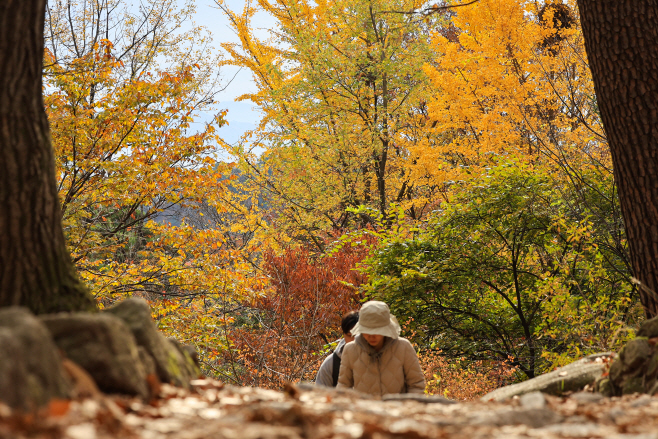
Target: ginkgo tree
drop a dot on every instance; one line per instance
(514, 82)
(342, 93)
(528, 259)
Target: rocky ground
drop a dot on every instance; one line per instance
(212, 410)
(73, 366)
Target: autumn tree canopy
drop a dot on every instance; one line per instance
(345, 103)
(450, 159)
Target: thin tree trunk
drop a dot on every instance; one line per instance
(621, 39)
(35, 267)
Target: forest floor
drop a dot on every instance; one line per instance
(213, 410)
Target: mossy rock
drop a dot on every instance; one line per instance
(30, 365)
(635, 354)
(652, 366)
(633, 385)
(604, 387)
(171, 365)
(102, 345)
(649, 328)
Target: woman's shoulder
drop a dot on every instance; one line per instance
(359, 344)
(349, 347)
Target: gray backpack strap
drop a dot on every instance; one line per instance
(336, 368)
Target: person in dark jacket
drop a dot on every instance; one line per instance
(328, 373)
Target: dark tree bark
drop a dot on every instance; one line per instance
(35, 267)
(621, 39)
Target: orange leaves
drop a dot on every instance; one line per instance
(58, 407)
(461, 380)
(290, 325)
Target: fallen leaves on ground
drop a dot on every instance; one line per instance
(213, 410)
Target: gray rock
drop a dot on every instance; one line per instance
(652, 366)
(171, 366)
(634, 354)
(30, 365)
(186, 350)
(616, 369)
(534, 418)
(147, 361)
(427, 399)
(572, 377)
(533, 400)
(632, 384)
(649, 328)
(604, 387)
(587, 397)
(103, 346)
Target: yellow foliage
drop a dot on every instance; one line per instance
(513, 85)
(128, 160)
(342, 95)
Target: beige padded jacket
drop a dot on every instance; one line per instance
(394, 369)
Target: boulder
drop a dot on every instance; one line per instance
(147, 361)
(635, 370)
(171, 365)
(634, 354)
(570, 378)
(186, 350)
(426, 399)
(649, 328)
(102, 345)
(30, 364)
(533, 400)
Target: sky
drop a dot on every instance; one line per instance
(242, 115)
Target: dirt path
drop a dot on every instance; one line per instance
(212, 410)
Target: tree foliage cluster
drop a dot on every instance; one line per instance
(506, 270)
(449, 160)
(123, 87)
(281, 336)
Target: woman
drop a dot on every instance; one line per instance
(379, 361)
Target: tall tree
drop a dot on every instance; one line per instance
(123, 87)
(35, 268)
(343, 99)
(621, 39)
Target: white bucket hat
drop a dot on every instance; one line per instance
(376, 318)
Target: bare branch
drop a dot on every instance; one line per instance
(431, 10)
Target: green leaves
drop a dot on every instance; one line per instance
(504, 270)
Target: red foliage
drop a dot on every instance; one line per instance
(283, 335)
(462, 380)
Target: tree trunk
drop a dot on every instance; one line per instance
(35, 267)
(621, 39)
